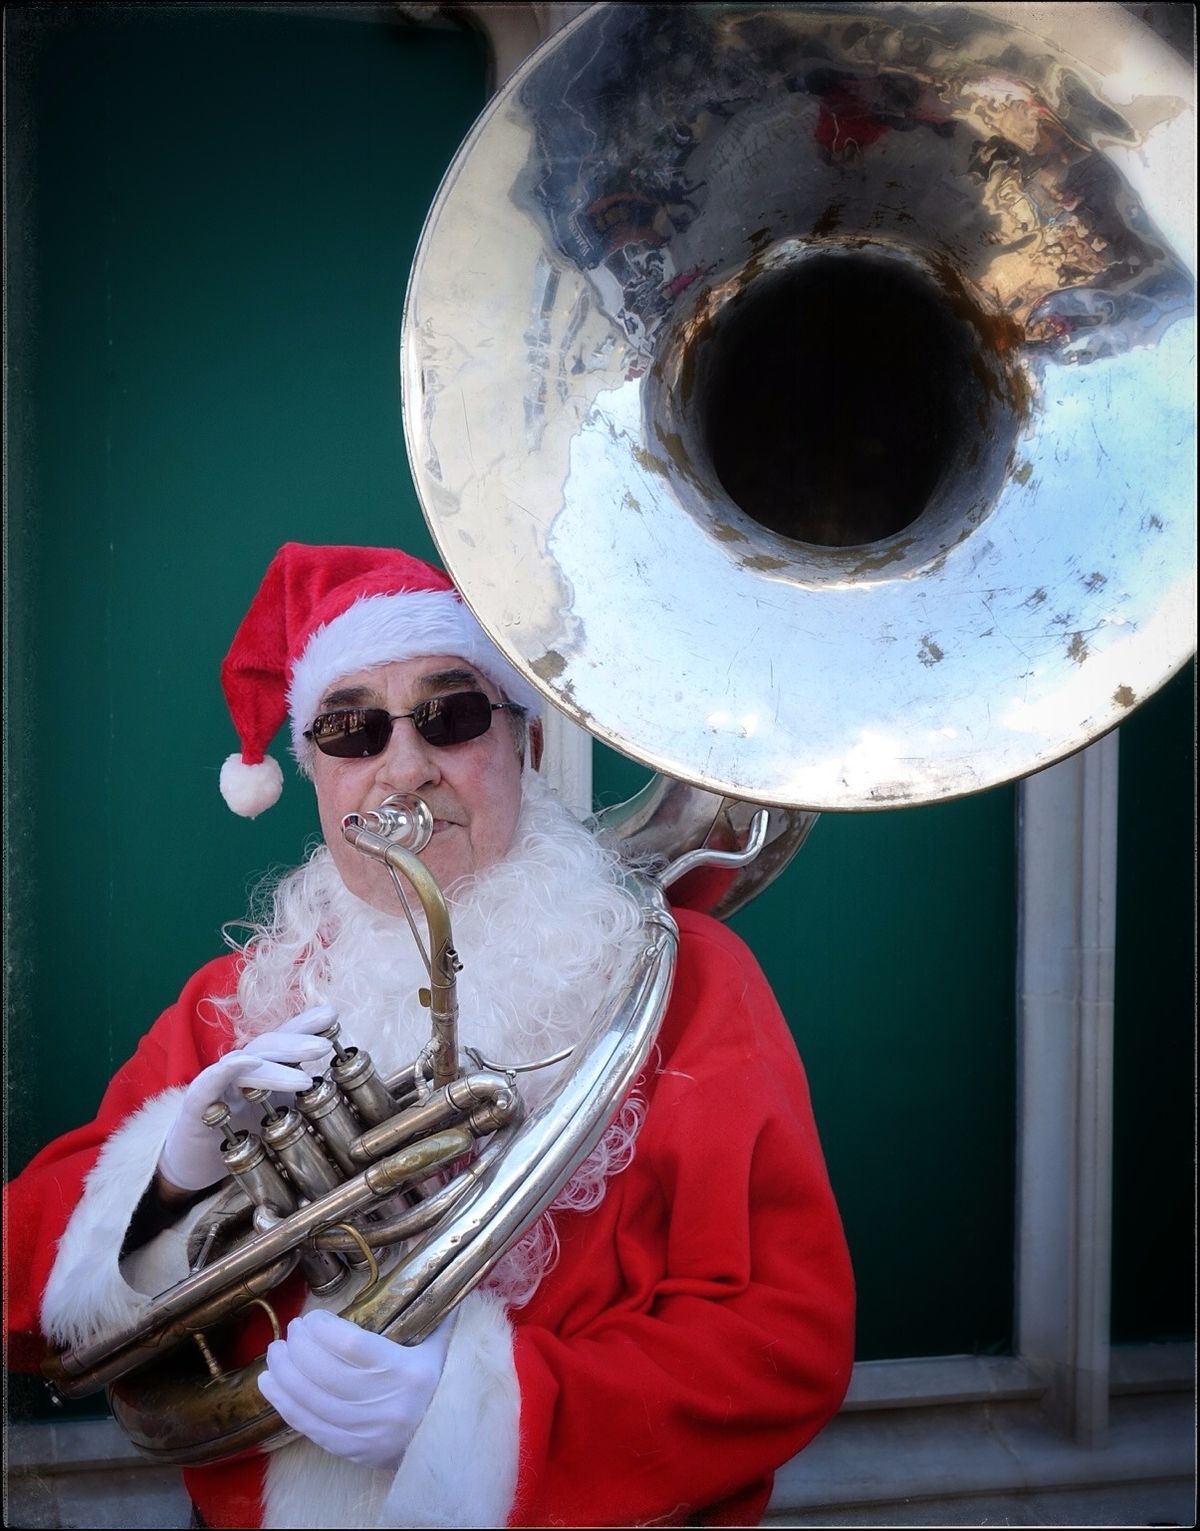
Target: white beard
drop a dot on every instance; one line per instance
(543, 936)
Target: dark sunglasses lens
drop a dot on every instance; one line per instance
(455, 718)
(352, 732)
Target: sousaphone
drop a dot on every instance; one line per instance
(802, 398)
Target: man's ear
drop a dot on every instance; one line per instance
(537, 741)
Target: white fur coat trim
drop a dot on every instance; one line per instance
(88, 1290)
(460, 1468)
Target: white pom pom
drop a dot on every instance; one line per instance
(248, 789)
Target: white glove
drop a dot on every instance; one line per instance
(191, 1155)
(353, 1393)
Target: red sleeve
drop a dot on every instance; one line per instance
(38, 1204)
(699, 1328)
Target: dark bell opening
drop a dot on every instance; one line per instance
(837, 394)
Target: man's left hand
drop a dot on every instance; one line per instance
(353, 1393)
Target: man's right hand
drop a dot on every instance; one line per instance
(191, 1155)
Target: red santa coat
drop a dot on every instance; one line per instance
(695, 1333)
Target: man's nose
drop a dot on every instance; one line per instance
(408, 763)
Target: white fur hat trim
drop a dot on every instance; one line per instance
(381, 629)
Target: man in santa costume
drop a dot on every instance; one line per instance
(674, 1327)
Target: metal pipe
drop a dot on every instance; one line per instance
(457, 1101)
(84, 1369)
(443, 959)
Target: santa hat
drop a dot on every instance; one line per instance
(320, 614)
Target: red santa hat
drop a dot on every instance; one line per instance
(320, 614)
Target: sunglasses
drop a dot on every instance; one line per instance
(362, 731)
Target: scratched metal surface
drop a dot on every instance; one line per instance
(1031, 166)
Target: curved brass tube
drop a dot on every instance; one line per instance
(443, 960)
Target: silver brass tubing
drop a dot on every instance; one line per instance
(404, 1081)
(452, 1104)
(287, 1140)
(510, 1191)
(327, 1110)
(323, 1271)
(355, 1075)
(409, 916)
(298, 1149)
(249, 1161)
(755, 840)
(226, 1283)
(517, 1187)
(417, 1219)
(251, 1166)
(443, 1007)
(301, 1154)
(403, 1128)
(417, 1161)
(143, 1346)
(505, 1110)
(222, 1217)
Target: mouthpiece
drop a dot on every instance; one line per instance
(403, 819)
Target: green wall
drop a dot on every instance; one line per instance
(212, 214)
(1154, 1231)
(218, 214)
